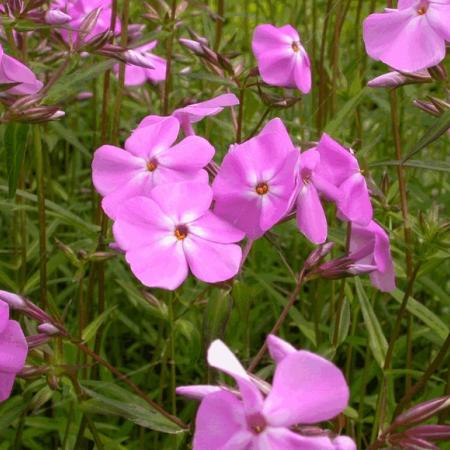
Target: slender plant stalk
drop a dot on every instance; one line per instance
(278, 324)
(169, 57)
(173, 380)
(219, 23)
(40, 180)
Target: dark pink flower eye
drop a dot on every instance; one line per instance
(152, 165)
(181, 232)
(262, 188)
(295, 47)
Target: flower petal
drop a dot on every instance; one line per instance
(197, 392)
(13, 348)
(344, 443)
(284, 439)
(355, 204)
(214, 229)
(279, 348)
(306, 389)
(6, 385)
(302, 71)
(4, 315)
(438, 16)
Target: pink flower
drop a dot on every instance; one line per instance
(257, 181)
(282, 60)
(306, 389)
(370, 247)
(13, 351)
(410, 38)
(149, 159)
(173, 231)
(136, 75)
(13, 71)
(340, 168)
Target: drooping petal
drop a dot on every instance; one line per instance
(279, 348)
(438, 16)
(285, 439)
(210, 261)
(404, 40)
(148, 141)
(13, 348)
(161, 264)
(302, 71)
(219, 419)
(6, 384)
(113, 167)
(183, 202)
(192, 153)
(355, 202)
(214, 229)
(311, 218)
(4, 315)
(197, 392)
(306, 389)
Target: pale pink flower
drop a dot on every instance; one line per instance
(149, 159)
(257, 181)
(410, 38)
(282, 60)
(306, 389)
(13, 351)
(174, 231)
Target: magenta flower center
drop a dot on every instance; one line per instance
(152, 165)
(257, 423)
(181, 232)
(296, 47)
(423, 7)
(262, 188)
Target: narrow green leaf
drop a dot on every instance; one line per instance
(377, 340)
(15, 140)
(439, 166)
(433, 133)
(91, 330)
(217, 314)
(64, 132)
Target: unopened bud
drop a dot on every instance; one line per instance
(136, 58)
(85, 95)
(396, 79)
(14, 301)
(56, 17)
(423, 411)
(57, 115)
(428, 107)
(194, 46)
(430, 432)
(316, 255)
(89, 22)
(48, 329)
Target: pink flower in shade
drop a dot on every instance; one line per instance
(13, 71)
(137, 76)
(282, 60)
(149, 159)
(306, 389)
(257, 181)
(173, 231)
(369, 246)
(13, 351)
(339, 167)
(410, 38)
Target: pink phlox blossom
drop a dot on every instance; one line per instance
(150, 158)
(282, 59)
(174, 231)
(13, 351)
(410, 38)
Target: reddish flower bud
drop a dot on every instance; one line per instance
(56, 17)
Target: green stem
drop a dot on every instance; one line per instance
(169, 57)
(219, 24)
(173, 380)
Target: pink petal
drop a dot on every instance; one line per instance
(326, 188)
(134, 75)
(6, 385)
(161, 264)
(151, 140)
(141, 222)
(306, 389)
(4, 315)
(403, 4)
(344, 443)
(302, 72)
(267, 38)
(277, 68)
(311, 218)
(284, 439)
(210, 261)
(404, 40)
(157, 74)
(214, 229)
(279, 348)
(309, 160)
(183, 202)
(13, 348)
(355, 203)
(12, 70)
(165, 175)
(192, 153)
(113, 167)
(219, 419)
(197, 392)
(151, 120)
(438, 16)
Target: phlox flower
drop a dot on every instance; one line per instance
(13, 71)
(13, 351)
(149, 159)
(173, 231)
(410, 38)
(281, 58)
(339, 167)
(370, 247)
(306, 389)
(257, 180)
(197, 111)
(137, 76)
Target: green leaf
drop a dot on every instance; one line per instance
(110, 399)
(344, 324)
(439, 166)
(431, 320)
(64, 132)
(15, 140)
(377, 341)
(217, 314)
(433, 133)
(91, 330)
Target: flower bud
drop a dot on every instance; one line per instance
(316, 255)
(396, 79)
(48, 329)
(56, 17)
(194, 46)
(136, 58)
(13, 300)
(422, 411)
(430, 432)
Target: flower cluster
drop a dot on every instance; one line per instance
(307, 389)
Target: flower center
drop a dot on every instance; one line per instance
(181, 232)
(258, 429)
(423, 7)
(295, 47)
(262, 188)
(152, 165)
(257, 423)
